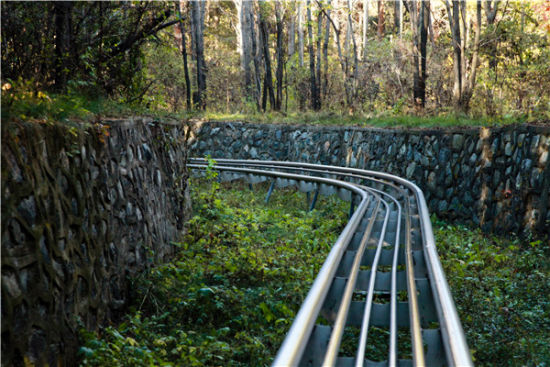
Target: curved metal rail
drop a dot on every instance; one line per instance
(390, 228)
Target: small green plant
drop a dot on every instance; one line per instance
(209, 193)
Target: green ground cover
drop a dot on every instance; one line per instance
(229, 296)
(22, 102)
(501, 286)
(381, 120)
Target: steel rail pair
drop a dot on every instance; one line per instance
(391, 211)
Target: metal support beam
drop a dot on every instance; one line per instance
(271, 187)
(351, 206)
(314, 201)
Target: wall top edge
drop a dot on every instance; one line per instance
(530, 128)
(132, 121)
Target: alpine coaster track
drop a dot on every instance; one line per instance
(382, 271)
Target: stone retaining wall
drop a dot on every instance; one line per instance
(496, 178)
(80, 211)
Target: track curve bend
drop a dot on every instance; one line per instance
(382, 271)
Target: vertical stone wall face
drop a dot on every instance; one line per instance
(80, 212)
(496, 178)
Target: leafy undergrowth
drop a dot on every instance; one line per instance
(230, 295)
(22, 101)
(501, 287)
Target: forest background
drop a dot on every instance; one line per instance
(350, 60)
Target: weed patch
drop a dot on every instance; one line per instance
(501, 287)
(230, 295)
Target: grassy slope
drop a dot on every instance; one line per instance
(230, 295)
(381, 121)
(22, 103)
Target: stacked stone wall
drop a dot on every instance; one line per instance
(497, 178)
(81, 210)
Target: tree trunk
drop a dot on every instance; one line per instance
(325, 52)
(244, 43)
(313, 82)
(343, 60)
(99, 66)
(396, 16)
(420, 41)
(381, 19)
(184, 56)
(318, 56)
(268, 78)
(264, 95)
(491, 8)
(197, 26)
(354, 78)
(257, 60)
(454, 23)
(365, 27)
(292, 30)
(464, 76)
(280, 56)
(300, 34)
(469, 85)
(63, 32)
(400, 17)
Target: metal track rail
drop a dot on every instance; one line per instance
(383, 272)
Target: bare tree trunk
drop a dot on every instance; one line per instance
(256, 53)
(264, 94)
(268, 78)
(292, 30)
(400, 18)
(365, 27)
(184, 56)
(396, 16)
(354, 78)
(313, 82)
(318, 51)
(325, 52)
(464, 76)
(347, 39)
(491, 8)
(463, 42)
(521, 92)
(280, 56)
(343, 60)
(420, 41)
(454, 23)
(469, 85)
(244, 42)
(63, 33)
(197, 26)
(381, 19)
(300, 34)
